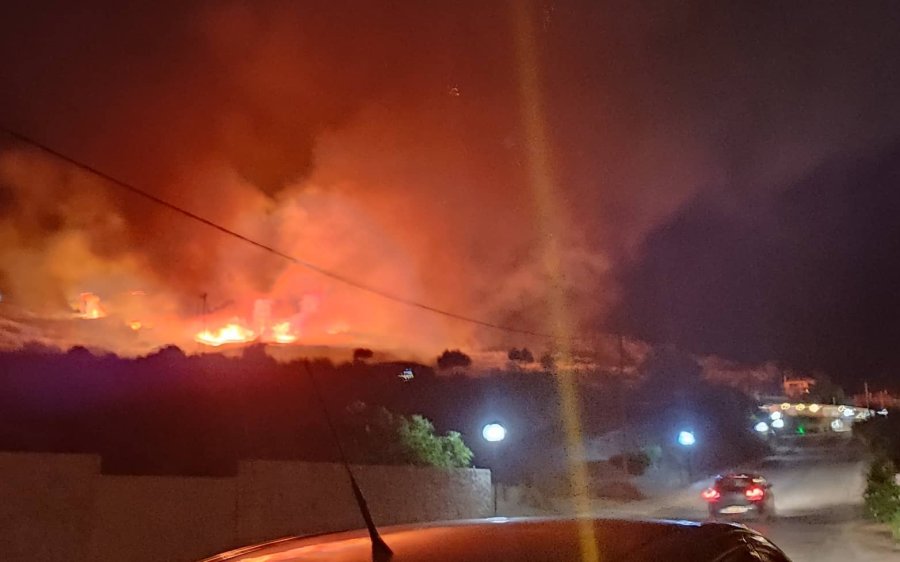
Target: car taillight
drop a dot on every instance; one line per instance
(711, 494)
(754, 493)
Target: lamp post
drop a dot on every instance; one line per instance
(494, 433)
(687, 440)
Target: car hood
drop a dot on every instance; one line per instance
(510, 540)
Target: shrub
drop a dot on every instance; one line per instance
(882, 495)
(454, 358)
(895, 526)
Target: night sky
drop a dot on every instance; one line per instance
(725, 175)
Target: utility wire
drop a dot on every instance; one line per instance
(303, 263)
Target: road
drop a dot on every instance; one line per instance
(818, 488)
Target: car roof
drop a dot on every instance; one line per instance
(511, 540)
(749, 475)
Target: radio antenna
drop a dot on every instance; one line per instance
(381, 552)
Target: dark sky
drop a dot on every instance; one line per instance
(724, 171)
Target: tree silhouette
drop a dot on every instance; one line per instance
(520, 355)
(547, 362)
(453, 358)
(361, 354)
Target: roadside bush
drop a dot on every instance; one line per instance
(882, 495)
(895, 526)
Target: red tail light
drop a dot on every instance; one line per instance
(711, 494)
(755, 493)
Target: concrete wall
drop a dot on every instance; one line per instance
(284, 498)
(59, 507)
(45, 506)
(147, 518)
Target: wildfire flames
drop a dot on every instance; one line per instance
(236, 333)
(90, 307)
(229, 334)
(283, 333)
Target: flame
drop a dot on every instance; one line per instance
(135, 325)
(230, 333)
(283, 333)
(90, 306)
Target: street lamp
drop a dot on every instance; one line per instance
(762, 427)
(493, 432)
(686, 438)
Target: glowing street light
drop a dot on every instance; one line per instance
(761, 427)
(493, 432)
(686, 438)
(776, 416)
(778, 424)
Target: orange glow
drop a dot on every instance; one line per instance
(90, 306)
(339, 328)
(230, 333)
(283, 333)
(135, 325)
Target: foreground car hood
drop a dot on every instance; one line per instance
(510, 540)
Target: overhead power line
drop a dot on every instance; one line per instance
(265, 247)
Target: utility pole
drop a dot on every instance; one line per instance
(625, 441)
(203, 309)
(866, 390)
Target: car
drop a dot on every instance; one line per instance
(526, 539)
(740, 495)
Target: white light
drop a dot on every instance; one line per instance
(493, 432)
(849, 412)
(761, 427)
(686, 438)
(776, 416)
(882, 412)
(778, 424)
(837, 425)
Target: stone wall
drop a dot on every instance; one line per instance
(59, 507)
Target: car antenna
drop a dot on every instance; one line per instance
(381, 552)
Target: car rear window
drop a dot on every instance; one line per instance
(732, 484)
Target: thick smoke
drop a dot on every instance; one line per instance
(377, 142)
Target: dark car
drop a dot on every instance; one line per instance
(740, 495)
(532, 540)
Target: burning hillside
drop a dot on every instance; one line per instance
(344, 149)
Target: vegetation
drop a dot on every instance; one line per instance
(523, 355)
(895, 526)
(547, 362)
(361, 354)
(381, 437)
(882, 495)
(455, 358)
